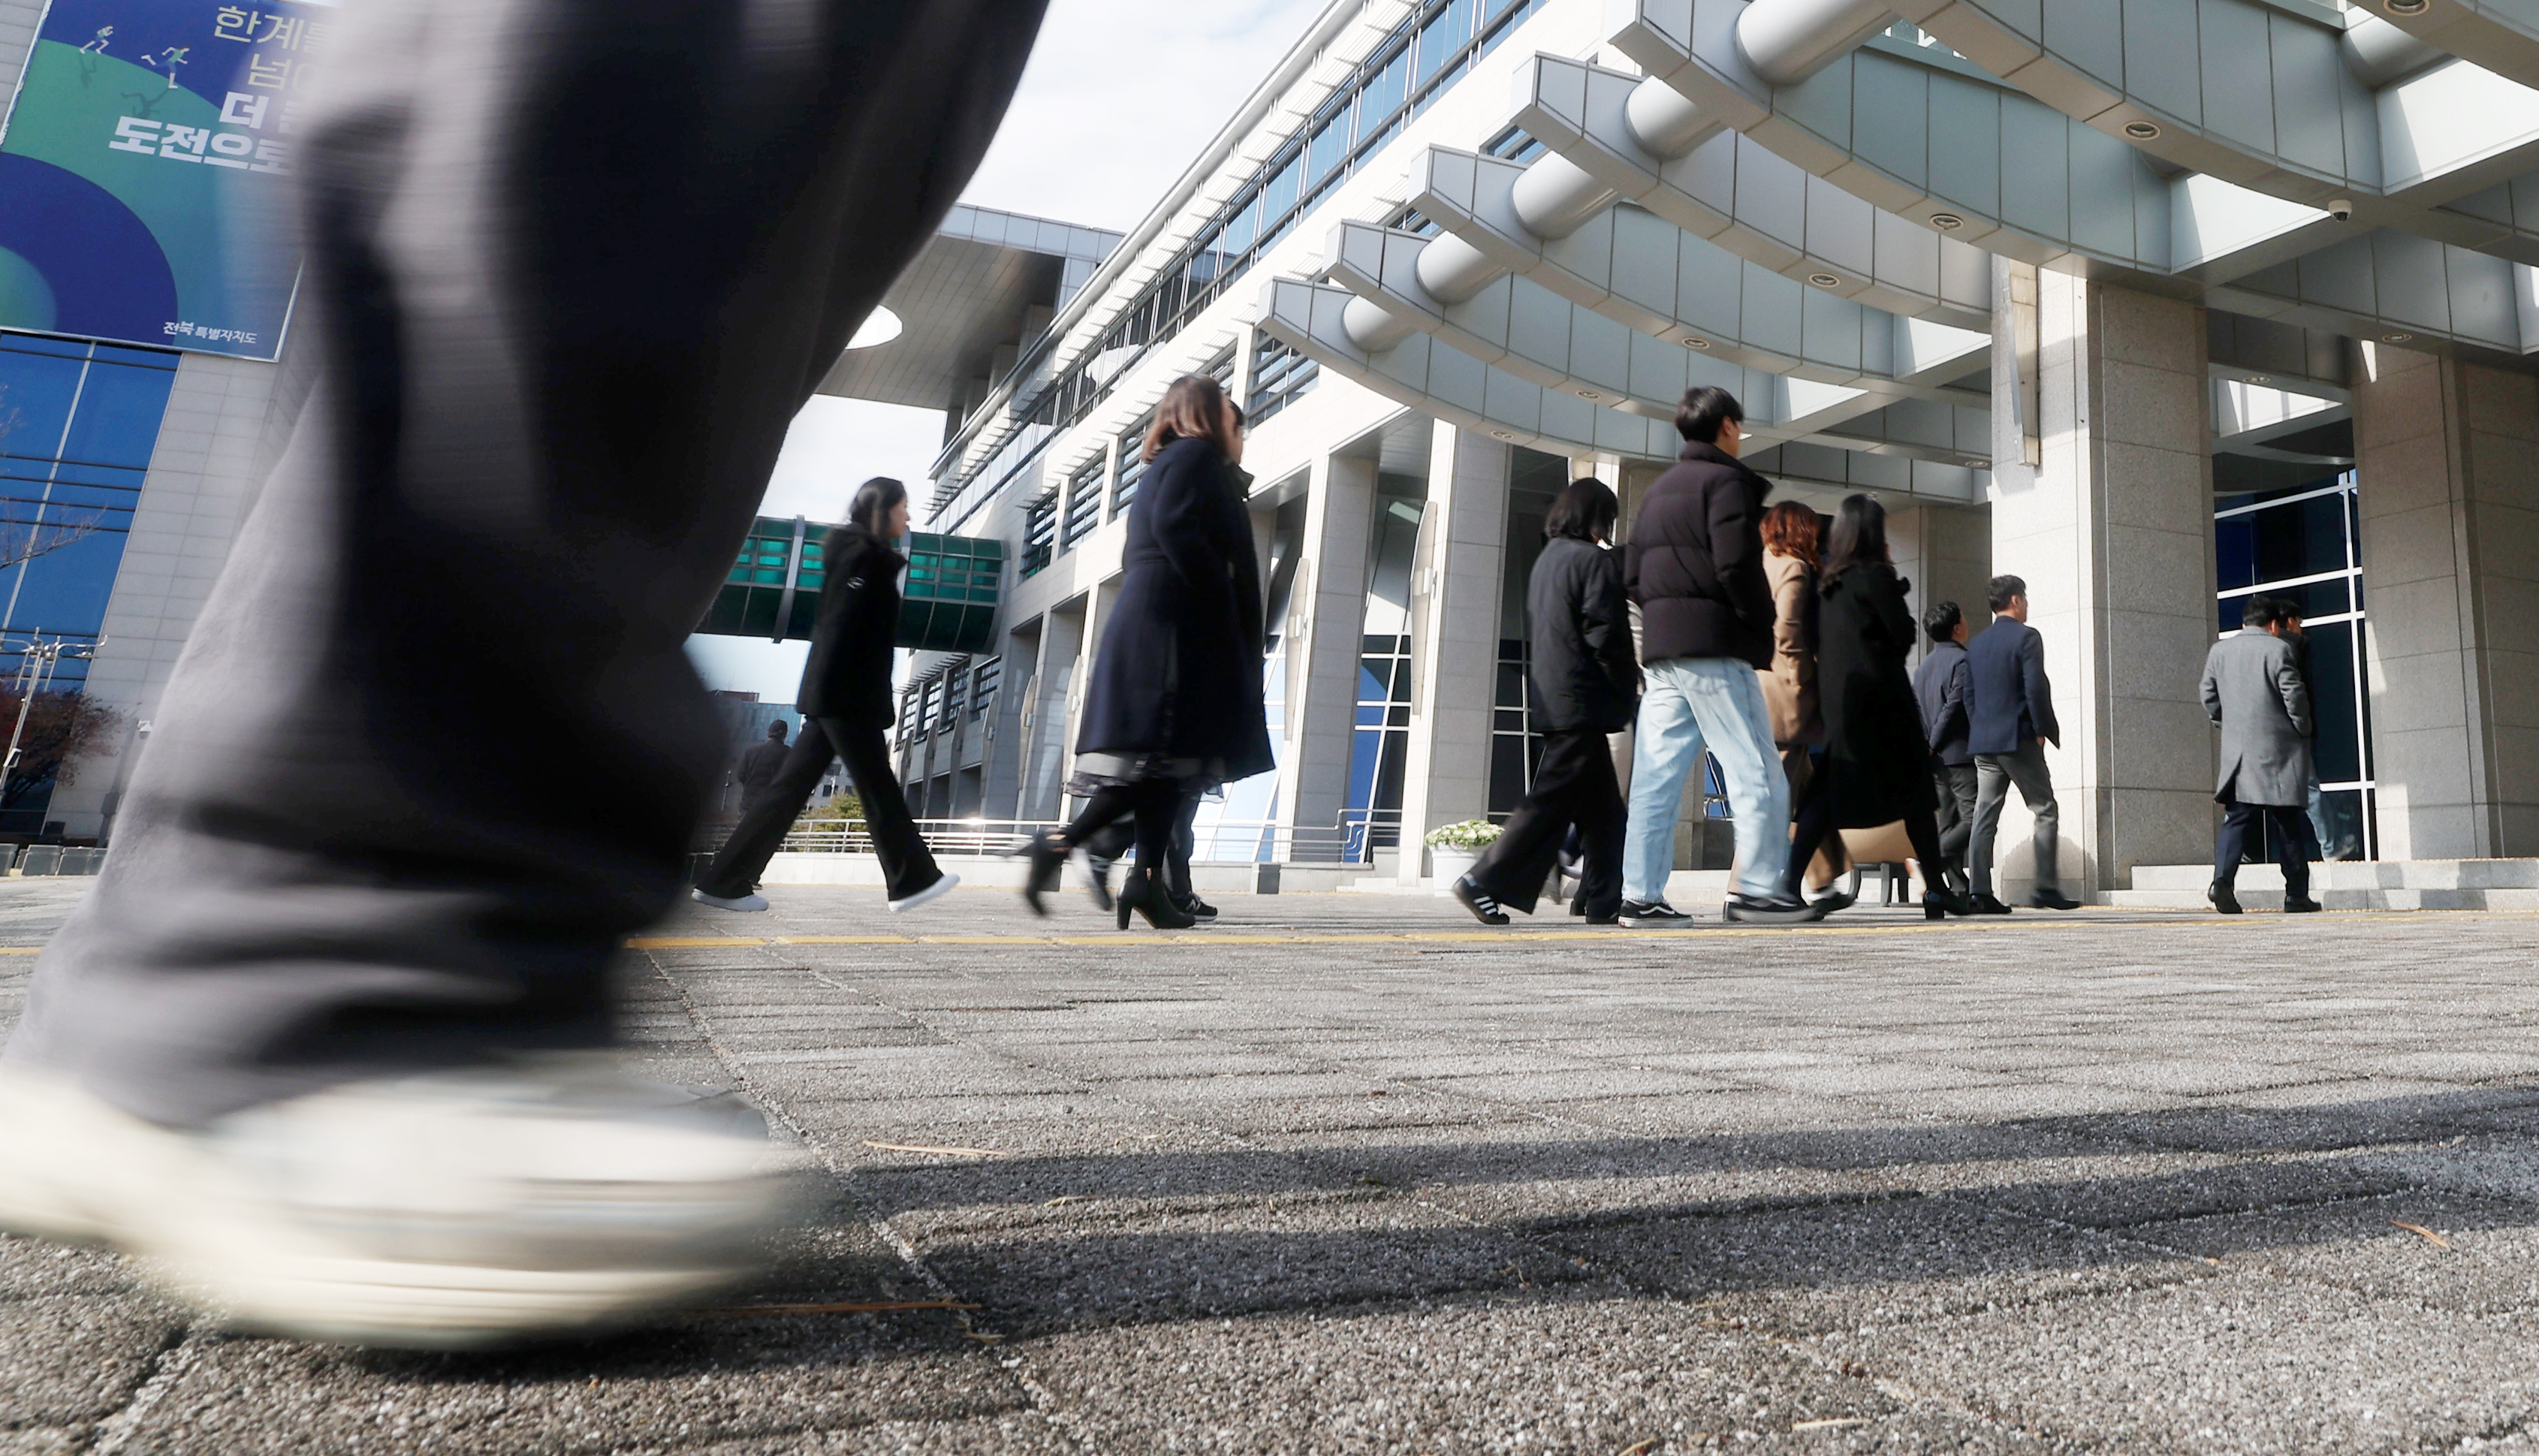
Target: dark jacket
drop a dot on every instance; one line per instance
(1180, 671)
(1942, 684)
(1695, 561)
(1584, 674)
(2009, 702)
(848, 674)
(760, 766)
(1874, 743)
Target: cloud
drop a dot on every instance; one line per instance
(1121, 96)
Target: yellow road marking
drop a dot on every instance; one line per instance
(844, 941)
(690, 943)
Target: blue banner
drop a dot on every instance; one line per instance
(145, 171)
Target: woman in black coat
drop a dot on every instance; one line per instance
(1878, 764)
(1586, 685)
(845, 702)
(1174, 703)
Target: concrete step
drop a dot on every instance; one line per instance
(2254, 895)
(2442, 876)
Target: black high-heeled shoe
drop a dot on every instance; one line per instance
(1144, 895)
(1047, 854)
(1940, 904)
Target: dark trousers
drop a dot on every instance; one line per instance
(1119, 837)
(1956, 815)
(1573, 783)
(1817, 829)
(2285, 828)
(907, 864)
(434, 748)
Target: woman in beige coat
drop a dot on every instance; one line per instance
(1789, 683)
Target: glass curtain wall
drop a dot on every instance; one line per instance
(1380, 748)
(2304, 546)
(1536, 480)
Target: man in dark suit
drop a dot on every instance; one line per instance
(2010, 718)
(1941, 686)
(761, 766)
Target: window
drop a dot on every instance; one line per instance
(1514, 145)
(1040, 533)
(984, 682)
(1083, 503)
(2304, 546)
(956, 682)
(1514, 749)
(1443, 39)
(1279, 374)
(1132, 463)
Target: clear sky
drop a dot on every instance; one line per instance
(1117, 100)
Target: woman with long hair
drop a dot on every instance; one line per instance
(1789, 683)
(1586, 684)
(1174, 704)
(1877, 766)
(845, 702)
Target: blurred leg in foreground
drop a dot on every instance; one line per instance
(434, 748)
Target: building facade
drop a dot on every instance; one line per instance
(2144, 321)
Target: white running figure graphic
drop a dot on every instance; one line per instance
(173, 57)
(97, 45)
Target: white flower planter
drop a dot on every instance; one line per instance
(1449, 863)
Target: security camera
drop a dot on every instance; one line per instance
(2341, 209)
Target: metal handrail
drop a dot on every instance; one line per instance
(1222, 842)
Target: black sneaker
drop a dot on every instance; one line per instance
(1782, 910)
(1199, 910)
(2047, 897)
(2222, 899)
(1478, 900)
(1651, 915)
(2302, 906)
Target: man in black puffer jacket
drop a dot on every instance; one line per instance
(1696, 566)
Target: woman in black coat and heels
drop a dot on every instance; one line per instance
(845, 702)
(1174, 704)
(1877, 761)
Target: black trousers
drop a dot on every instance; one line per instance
(1823, 812)
(907, 864)
(1116, 841)
(2287, 828)
(572, 266)
(1573, 783)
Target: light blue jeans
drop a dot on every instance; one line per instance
(1691, 703)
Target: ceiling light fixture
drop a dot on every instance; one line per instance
(1947, 222)
(1824, 280)
(2261, 378)
(2143, 131)
(1589, 395)
(2406, 7)
(1504, 434)
(1696, 343)
(2397, 338)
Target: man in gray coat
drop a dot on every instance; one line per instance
(2255, 694)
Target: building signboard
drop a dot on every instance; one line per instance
(145, 171)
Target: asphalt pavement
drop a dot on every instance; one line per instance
(1348, 1173)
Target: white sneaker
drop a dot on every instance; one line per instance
(442, 1211)
(940, 886)
(737, 902)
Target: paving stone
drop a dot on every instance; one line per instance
(2479, 1256)
(2237, 1363)
(77, 1359)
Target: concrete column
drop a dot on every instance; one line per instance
(2113, 532)
(1456, 592)
(1041, 740)
(2447, 455)
(1007, 740)
(1322, 633)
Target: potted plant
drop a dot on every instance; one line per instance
(1453, 849)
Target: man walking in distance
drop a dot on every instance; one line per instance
(761, 765)
(320, 1044)
(1694, 564)
(2253, 692)
(2010, 718)
(1941, 686)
